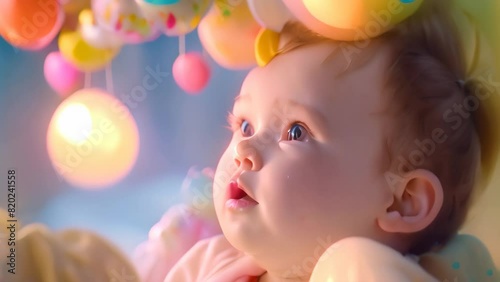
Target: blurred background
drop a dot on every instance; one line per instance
(176, 131)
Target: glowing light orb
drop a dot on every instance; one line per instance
(92, 139)
(74, 123)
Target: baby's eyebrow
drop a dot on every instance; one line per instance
(242, 98)
(316, 116)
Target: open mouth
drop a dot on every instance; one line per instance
(238, 199)
(235, 191)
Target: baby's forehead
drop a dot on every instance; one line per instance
(321, 87)
(298, 69)
(325, 67)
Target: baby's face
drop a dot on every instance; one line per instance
(304, 166)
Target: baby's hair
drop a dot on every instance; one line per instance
(426, 83)
(425, 80)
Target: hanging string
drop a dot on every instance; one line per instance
(88, 80)
(182, 44)
(109, 79)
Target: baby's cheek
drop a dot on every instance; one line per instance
(225, 170)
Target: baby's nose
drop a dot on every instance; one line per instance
(246, 156)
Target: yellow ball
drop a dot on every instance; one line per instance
(81, 54)
(354, 19)
(92, 139)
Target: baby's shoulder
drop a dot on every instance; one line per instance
(463, 258)
(363, 259)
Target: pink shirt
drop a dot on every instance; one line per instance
(215, 260)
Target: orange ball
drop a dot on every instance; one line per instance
(26, 23)
(229, 35)
(92, 139)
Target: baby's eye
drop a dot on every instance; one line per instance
(239, 124)
(246, 128)
(297, 132)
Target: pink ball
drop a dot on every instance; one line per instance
(191, 72)
(62, 76)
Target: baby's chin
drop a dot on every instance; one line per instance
(287, 262)
(246, 241)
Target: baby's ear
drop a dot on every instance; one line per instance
(417, 200)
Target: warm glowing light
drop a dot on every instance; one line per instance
(74, 122)
(92, 139)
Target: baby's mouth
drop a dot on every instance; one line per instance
(235, 191)
(238, 199)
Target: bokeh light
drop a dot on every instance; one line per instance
(92, 139)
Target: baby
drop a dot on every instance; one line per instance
(334, 142)
(348, 162)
